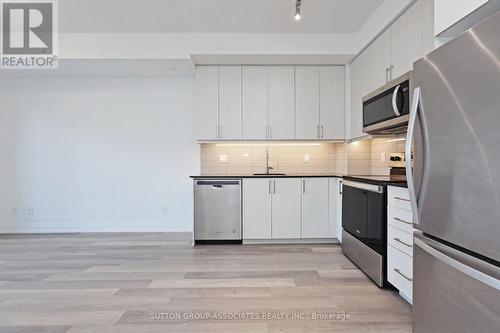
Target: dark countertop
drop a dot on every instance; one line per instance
(371, 179)
(398, 180)
(289, 175)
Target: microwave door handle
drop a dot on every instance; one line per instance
(408, 161)
(394, 101)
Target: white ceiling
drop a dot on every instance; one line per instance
(213, 16)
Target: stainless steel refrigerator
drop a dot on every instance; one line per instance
(454, 186)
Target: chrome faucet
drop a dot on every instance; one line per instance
(268, 168)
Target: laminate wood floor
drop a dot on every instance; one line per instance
(158, 282)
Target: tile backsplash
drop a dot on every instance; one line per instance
(289, 158)
(369, 156)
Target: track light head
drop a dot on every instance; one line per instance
(298, 15)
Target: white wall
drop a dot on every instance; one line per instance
(96, 154)
(183, 45)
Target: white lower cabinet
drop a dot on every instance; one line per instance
(400, 272)
(400, 242)
(257, 208)
(286, 208)
(291, 208)
(315, 208)
(335, 208)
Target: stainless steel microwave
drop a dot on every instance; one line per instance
(387, 109)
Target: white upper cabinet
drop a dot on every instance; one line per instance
(281, 103)
(359, 88)
(270, 102)
(307, 102)
(379, 63)
(230, 103)
(407, 40)
(389, 56)
(315, 222)
(332, 102)
(207, 102)
(286, 207)
(451, 13)
(257, 208)
(255, 102)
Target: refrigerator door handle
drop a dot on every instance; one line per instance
(468, 270)
(408, 160)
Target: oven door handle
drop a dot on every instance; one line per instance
(395, 102)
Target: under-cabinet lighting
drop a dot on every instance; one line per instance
(262, 144)
(396, 140)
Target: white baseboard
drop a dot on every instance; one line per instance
(293, 241)
(72, 227)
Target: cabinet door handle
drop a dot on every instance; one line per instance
(402, 199)
(317, 132)
(403, 221)
(274, 186)
(303, 186)
(401, 242)
(270, 187)
(386, 74)
(391, 67)
(322, 131)
(340, 187)
(397, 270)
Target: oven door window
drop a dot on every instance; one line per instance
(363, 216)
(355, 211)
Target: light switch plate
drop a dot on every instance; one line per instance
(307, 159)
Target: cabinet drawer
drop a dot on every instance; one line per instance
(400, 218)
(401, 240)
(400, 271)
(399, 197)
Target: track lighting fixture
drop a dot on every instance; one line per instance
(298, 15)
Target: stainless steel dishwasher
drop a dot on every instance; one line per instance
(217, 210)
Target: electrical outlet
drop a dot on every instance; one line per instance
(307, 158)
(382, 157)
(222, 158)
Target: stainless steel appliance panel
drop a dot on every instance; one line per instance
(452, 291)
(456, 182)
(370, 262)
(217, 210)
(386, 110)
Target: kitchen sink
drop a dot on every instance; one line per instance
(269, 174)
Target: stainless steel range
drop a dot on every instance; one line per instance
(364, 227)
